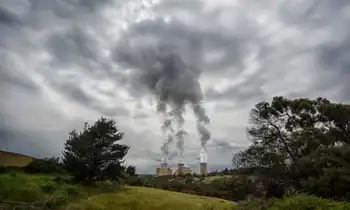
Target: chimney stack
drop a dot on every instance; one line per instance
(203, 162)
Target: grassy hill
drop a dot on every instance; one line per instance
(143, 198)
(11, 159)
(38, 189)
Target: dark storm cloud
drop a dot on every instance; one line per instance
(113, 111)
(179, 5)
(62, 28)
(10, 79)
(241, 94)
(312, 14)
(336, 60)
(77, 94)
(193, 43)
(7, 18)
(330, 19)
(12, 140)
(224, 145)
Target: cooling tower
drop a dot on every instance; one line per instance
(203, 169)
(163, 170)
(180, 168)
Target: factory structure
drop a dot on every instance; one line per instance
(182, 169)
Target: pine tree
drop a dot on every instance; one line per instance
(93, 154)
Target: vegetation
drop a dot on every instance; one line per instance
(50, 192)
(302, 202)
(299, 145)
(131, 170)
(93, 155)
(45, 166)
(142, 198)
(22, 190)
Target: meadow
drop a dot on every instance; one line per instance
(45, 191)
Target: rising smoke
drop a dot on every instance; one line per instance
(171, 72)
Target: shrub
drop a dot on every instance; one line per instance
(134, 181)
(189, 180)
(46, 166)
(299, 202)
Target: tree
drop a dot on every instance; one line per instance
(93, 154)
(301, 143)
(131, 170)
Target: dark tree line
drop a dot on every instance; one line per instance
(300, 145)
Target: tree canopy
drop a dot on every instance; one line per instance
(301, 143)
(93, 154)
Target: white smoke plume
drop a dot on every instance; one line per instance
(203, 156)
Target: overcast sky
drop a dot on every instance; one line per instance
(57, 68)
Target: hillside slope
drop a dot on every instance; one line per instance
(25, 188)
(142, 198)
(11, 159)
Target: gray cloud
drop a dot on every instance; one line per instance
(58, 66)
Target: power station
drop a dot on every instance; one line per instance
(181, 169)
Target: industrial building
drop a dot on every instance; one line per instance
(164, 170)
(181, 169)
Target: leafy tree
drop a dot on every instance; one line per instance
(300, 143)
(93, 154)
(131, 170)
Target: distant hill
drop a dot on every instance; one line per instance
(11, 159)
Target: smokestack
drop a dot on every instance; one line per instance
(203, 159)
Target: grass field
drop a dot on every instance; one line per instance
(38, 189)
(142, 198)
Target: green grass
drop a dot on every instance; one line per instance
(142, 198)
(20, 187)
(38, 189)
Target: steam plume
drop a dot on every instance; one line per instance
(172, 75)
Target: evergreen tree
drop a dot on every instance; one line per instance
(93, 154)
(131, 170)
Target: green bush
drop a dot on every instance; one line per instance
(299, 202)
(45, 166)
(134, 181)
